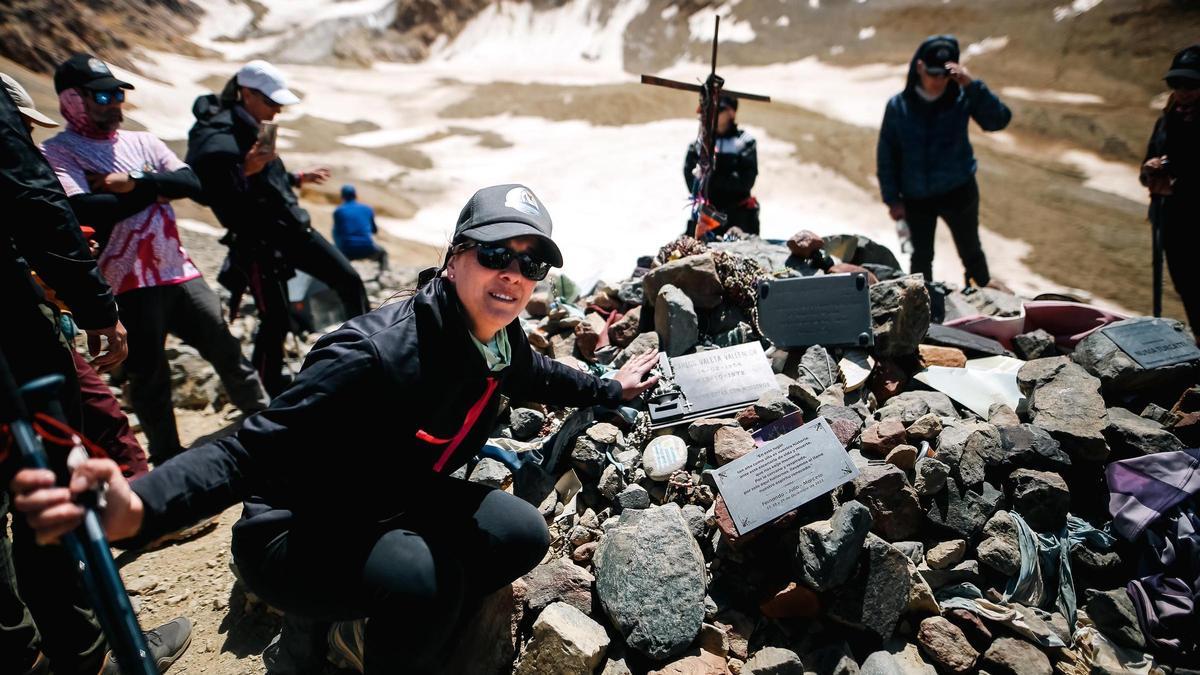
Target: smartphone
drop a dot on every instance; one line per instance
(267, 132)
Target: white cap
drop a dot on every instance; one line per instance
(266, 79)
(25, 102)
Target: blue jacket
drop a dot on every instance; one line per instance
(353, 225)
(923, 147)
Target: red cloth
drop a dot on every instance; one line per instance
(105, 424)
(1068, 322)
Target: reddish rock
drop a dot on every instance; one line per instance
(793, 602)
(847, 268)
(590, 334)
(887, 380)
(748, 418)
(972, 627)
(729, 443)
(880, 438)
(845, 430)
(805, 243)
(584, 554)
(948, 357)
(625, 329)
(946, 644)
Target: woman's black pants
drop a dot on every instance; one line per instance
(960, 209)
(413, 577)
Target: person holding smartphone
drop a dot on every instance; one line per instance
(351, 510)
(924, 160)
(232, 149)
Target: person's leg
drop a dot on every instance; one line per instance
(19, 639)
(196, 319)
(105, 424)
(270, 299)
(1181, 239)
(314, 255)
(960, 210)
(144, 312)
(922, 225)
(380, 256)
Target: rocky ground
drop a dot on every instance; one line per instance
(910, 568)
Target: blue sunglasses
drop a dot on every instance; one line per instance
(108, 96)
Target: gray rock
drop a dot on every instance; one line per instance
(695, 275)
(1065, 400)
(675, 321)
(803, 395)
(828, 549)
(962, 511)
(633, 497)
(913, 550)
(696, 520)
(927, 427)
(877, 598)
(1114, 615)
(774, 661)
(946, 645)
(1036, 344)
(642, 344)
(1000, 415)
(841, 412)
(900, 314)
(611, 483)
(773, 405)
(1120, 374)
(894, 506)
(1128, 433)
(1000, 550)
(964, 572)
(1033, 447)
(650, 579)
(1010, 656)
(931, 476)
(1042, 498)
(587, 458)
(631, 292)
(818, 369)
(605, 434)
(491, 473)
(833, 395)
(565, 640)
(525, 423)
(969, 448)
(994, 302)
(908, 657)
(834, 659)
(559, 580)
(908, 406)
(880, 663)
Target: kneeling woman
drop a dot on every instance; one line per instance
(350, 508)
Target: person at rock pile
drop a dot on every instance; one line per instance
(350, 508)
(924, 160)
(736, 170)
(1172, 173)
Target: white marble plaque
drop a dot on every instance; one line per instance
(784, 474)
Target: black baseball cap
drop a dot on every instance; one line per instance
(727, 101)
(936, 54)
(1186, 64)
(87, 71)
(505, 211)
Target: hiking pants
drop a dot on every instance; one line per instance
(416, 578)
(104, 423)
(1181, 241)
(192, 312)
(312, 254)
(960, 209)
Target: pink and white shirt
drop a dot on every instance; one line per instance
(144, 250)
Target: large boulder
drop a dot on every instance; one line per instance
(900, 315)
(1131, 434)
(565, 640)
(675, 321)
(876, 599)
(650, 580)
(1120, 374)
(1065, 400)
(695, 275)
(910, 406)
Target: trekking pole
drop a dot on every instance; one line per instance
(1157, 214)
(87, 544)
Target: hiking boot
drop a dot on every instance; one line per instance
(167, 643)
(346, 644)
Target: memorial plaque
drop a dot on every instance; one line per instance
(783, 474)
(1153, 344)
(831, 310)
(710, 383)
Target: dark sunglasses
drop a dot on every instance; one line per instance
(108, 96)
(497, 257)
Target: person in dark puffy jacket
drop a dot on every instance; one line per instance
(924, 160)
(1171, 171)
(729, 187)
(351, 510)
(252, 194)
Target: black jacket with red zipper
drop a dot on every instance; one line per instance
(385, 408)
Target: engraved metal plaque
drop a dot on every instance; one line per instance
(1153, 344)
(710, 383)
(831, 310)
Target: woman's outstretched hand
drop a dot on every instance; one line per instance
(52, 511)
(632, 375)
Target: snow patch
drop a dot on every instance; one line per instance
(1052, 96)
(1116, 178)
(783, 21)
(814, 4)
(1074, 9)
(988, 44)
(866, 33)
(700, 26)
(669, 13)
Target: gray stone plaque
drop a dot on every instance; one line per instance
(710, 383)
(830, 310)
(1153, 344)
(783, 474)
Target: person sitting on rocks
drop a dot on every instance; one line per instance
(121, 183)
(924, 161)
(351, 510)
(734, 174)
(353, 227)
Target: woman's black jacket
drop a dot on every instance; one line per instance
(385, 408)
